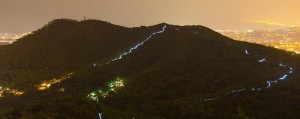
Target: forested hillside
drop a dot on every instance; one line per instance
(94, 69)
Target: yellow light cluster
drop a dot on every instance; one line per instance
(15, 92)
(47, 84)
(119, 83)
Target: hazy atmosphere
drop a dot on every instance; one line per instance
(27, 15)
(174, 59)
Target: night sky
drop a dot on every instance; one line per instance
(28, 15)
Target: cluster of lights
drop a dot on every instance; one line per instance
(2, 90)
(47, 84)
(15, 92)
(111, 87)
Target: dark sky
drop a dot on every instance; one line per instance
(27, 15)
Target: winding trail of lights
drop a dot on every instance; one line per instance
(132, 48)
(283, 77)
(269, 83)
(119, 82)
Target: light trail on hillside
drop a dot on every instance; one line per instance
(268, 83)
(120, 56)
(94, 95)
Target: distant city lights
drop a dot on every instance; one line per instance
(285, 39)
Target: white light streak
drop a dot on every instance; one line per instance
(209, 99)
(282, 65)
(246, 52)
(238, 90)
(270, 83)
(100, 116)
(283, 77)
(262, 60)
